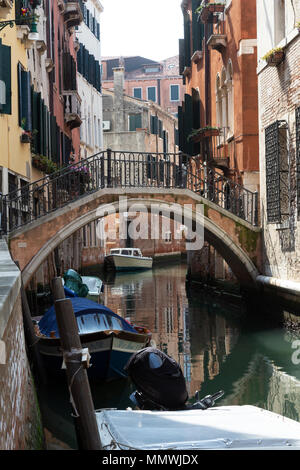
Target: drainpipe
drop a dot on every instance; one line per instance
(158, 92)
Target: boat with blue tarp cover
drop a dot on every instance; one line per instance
(110, 339)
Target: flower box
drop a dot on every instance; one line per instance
(216, 8)
(26, 138)
(274, 57)
(200, 134)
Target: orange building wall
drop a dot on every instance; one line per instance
(240, 24)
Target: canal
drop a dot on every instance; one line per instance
(220, 344)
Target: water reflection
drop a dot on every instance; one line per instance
(218, 345)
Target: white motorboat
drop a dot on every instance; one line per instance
(220, 428)
(95, 285)
(127, 259)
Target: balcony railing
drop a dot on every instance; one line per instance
(112, 169)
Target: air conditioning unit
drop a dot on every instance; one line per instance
(106, 125)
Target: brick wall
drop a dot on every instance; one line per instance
(279, 96)
(20, 424)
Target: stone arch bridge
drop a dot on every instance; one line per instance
(38, 217)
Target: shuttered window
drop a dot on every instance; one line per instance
(151, 93)
(135, 122)
(174, 92)
(153, 124)
(24, 92)
(137, 93)
(5, 79)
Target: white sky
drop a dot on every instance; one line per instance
(148, 28)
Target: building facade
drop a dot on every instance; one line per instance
(89, 78)
(218, 62)
(136, 125)
(15, 155)
(279, 136)
(218, 118)
(147, 80)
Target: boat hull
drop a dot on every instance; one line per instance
(128, 263)
(109, 351)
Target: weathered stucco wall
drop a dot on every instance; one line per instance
(20, 423)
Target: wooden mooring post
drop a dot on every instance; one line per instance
(78, 383)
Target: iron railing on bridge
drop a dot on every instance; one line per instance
(114, 169)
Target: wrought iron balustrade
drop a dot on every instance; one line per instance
(112, 169)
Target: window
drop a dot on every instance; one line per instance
(277, 172)
(153, 124)
(224, 100)
(135, 122)
(151, 93)
(25, 115)
(152, 69)
(168, 237)
(5, 79)
(174, 92)
(137, 93)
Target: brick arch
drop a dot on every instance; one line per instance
(34, 243)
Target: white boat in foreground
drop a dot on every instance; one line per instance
(220, 428)
(127, 259)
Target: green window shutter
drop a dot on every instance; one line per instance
(5, 79)
(181, 56)
(137, 93)
(160, 128)
(154, 124)
(174, 92)
(180, 129)
(135, 122)
(25, 112)
(151, 93)
(188, 123)
(35, 122)
(187, 40)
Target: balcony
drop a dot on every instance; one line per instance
(72, 14)
(217, 42)
(72, 108)
(213, 146)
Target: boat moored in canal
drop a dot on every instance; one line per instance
(165, 421)
(110, 339)
(127, 259)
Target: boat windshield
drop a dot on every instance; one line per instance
(93, 322)
(115, 252)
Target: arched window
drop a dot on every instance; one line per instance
(218, 101)
(224, 101)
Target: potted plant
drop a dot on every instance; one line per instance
(43, 163)
(274, 56)
(26, 137)
(298, 26)
(79, 177)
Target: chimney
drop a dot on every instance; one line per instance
(119, 99)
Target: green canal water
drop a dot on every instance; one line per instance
(221, 345)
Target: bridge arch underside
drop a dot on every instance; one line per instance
(240, 263)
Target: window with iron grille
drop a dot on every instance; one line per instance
(298, 158)
(277, 172)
